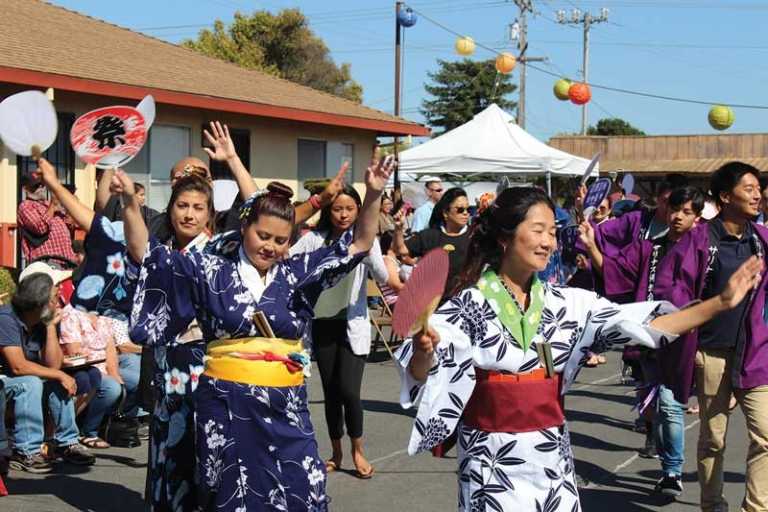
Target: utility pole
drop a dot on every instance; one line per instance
(397, 196)
(518, 31)
(586, 20)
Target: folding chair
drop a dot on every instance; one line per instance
(381, 317)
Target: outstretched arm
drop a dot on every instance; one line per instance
(224, 151)
(82, 214)
(136, 234)
(376, 179)
(308, 208)
(745, 279)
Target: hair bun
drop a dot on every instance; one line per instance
(280, 190)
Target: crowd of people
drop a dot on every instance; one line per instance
(194, 330)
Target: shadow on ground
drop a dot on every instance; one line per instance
(80, 493)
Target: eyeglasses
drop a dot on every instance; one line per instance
(438, 190)
(461, 209)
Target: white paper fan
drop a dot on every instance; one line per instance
(224, 194)
(147, 109)
(28, 123)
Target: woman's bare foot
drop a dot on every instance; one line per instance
(334, 462)
(363, 468)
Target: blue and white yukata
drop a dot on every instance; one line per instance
(256, 448)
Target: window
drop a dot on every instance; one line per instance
(242, 140)
(166, 146)
(348, 156)
(312, 159)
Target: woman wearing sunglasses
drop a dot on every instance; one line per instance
(448, 228)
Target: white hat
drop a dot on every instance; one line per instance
(431, 179)
(39, 267)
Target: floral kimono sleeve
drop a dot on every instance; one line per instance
(449, 383)
(323, 268)
(605, 324)
(166, 291)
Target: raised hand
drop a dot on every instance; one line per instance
(336, 185)
(745, 279)
(587, 234)
(399, 218)
(122, 184)
(47, 172)
(377, 175)
(223, 147)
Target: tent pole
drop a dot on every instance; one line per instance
(549, 183)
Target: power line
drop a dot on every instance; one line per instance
(658, 96)
(599, 86)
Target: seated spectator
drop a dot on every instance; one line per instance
(44, 227)
(90, 335)
(386, 222)
(394, 283)
(32, 362)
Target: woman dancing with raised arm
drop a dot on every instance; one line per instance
(256, 448)
(484, 370)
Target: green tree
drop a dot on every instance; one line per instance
(280, 44)
(461, 89)
(614, 126)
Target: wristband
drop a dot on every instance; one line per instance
(314, 200)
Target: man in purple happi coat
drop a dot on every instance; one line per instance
(642, 224)
(729, 355)
(632, 272)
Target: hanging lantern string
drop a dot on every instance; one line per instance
(655, 96)
(599, 86)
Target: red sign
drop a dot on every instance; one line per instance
(109, 137)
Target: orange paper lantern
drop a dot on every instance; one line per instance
(505, 63)
(579, 93)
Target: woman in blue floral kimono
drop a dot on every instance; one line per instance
(501, 352)
(255, 442)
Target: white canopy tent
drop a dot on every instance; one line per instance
(491, 143)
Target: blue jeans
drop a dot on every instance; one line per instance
(28, 431)
(670, 434)
(4, 447)
(130, 369)
(104, 402)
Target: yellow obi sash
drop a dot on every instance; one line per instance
(273, 362)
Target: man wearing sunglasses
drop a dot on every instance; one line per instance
(43, 225)
(434, 190)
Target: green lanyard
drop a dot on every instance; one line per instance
(523, 326)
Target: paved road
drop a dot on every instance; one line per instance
(600, 423)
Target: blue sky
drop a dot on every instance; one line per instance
(709, 50)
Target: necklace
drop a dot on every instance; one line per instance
(512, 296)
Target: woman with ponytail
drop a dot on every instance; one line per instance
(498, 356)
(255, 443)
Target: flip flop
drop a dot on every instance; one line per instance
(95, 443)
(364, 476)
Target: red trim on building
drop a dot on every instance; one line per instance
(99, 87)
